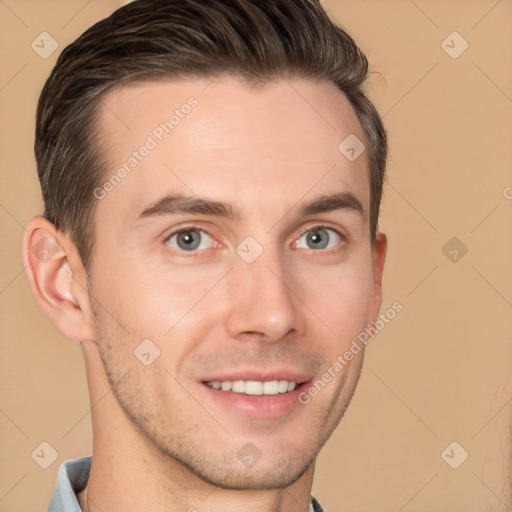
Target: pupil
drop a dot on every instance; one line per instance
(189, 239)
(315, 238)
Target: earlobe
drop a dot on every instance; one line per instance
(46, 258)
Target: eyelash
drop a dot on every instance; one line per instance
(185, 229)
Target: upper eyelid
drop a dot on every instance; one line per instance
(321, 226)
(194, 227)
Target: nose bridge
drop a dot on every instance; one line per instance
(263, 301)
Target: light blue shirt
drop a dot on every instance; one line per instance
(72, 479)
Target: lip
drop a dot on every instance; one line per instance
(265, 407)
(283, 374)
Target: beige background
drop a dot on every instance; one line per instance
(439, 372)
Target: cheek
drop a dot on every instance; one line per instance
(340, 296)
(177, 311)
(160, 303)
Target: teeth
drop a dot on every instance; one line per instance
(283, 386)
(238, 386)
(253, 387)
(271, 387)
(226, 385)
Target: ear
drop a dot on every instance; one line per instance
(57, 278)
(380, 246)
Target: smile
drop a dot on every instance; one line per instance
(253, 387)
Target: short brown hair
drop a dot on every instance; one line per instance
(145, 40)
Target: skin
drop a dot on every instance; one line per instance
(162, 441)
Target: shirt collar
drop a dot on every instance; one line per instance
(72, 478)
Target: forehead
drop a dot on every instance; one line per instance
(228, 140)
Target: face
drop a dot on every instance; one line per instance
(232, 266)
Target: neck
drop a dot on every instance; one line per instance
(128, 473)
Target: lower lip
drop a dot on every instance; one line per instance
(257, 406)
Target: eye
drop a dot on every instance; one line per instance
(318, 238)
(190, 240)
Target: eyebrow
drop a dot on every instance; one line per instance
(329, 203)
(181, 204)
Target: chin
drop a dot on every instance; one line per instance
(264, 475)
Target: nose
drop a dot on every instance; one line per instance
(263, 305)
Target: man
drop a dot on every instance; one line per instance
(212, 174)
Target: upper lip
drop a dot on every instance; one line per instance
(259, 376)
